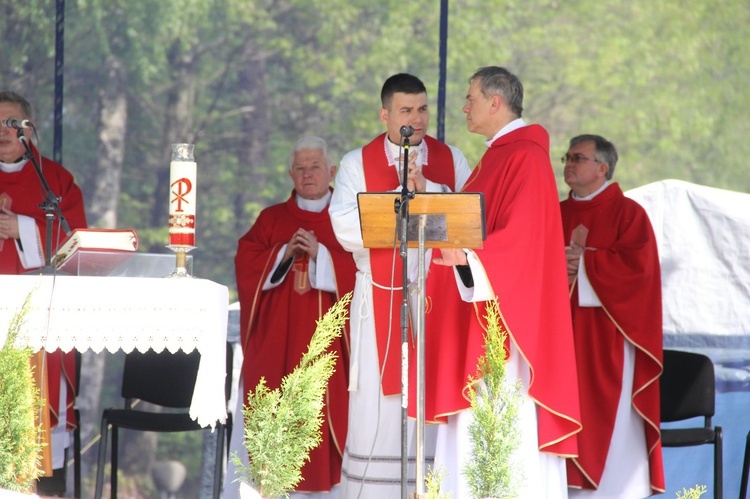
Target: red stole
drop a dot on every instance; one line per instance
(387, 304)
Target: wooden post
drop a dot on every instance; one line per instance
(38, 363)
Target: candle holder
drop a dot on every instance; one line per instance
(181, 260)
(182, 205)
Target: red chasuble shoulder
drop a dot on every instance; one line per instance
(258, 248)
(23, 191)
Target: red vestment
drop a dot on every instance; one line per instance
(277, 324)
(624, 273)
(525, 263)
(25, 193)
(440, 170)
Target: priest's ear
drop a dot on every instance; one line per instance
(496, 103)
(332, 171)
(603, 170)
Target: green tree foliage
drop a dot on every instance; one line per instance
(665, 82)
(662, 81)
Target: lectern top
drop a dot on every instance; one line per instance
(452, 220)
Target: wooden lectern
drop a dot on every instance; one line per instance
(452, 220)
(434, 220)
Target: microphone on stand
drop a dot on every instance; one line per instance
(17, 124)
(406, 130)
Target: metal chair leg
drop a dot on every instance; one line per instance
(219, 460)
(718, 463)
(102, 457)
(77, 457)
(745, 468)
(114, 462)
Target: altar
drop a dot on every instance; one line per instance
(125, 313)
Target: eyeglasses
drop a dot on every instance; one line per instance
(577, 158)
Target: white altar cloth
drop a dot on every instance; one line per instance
(126, 313)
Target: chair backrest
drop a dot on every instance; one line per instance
(687, 386)
(164, 378)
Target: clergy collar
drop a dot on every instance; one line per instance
(16, 166)
(593, 194)
(316, 205)
(513, 125)
(393, 151)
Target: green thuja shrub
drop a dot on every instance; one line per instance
(20, 438)
(432, 481)
(493, 433)
(283, 425)
(693, 493)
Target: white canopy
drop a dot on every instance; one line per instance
(703, 235)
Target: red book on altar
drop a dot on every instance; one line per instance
(116, 245)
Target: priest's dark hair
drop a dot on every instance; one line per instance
(400, 83)
(605, 150)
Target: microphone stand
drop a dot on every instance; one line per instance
(50, 206)
(402, 209)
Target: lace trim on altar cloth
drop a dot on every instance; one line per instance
(126, 313)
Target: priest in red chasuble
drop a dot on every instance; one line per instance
(23, 231)
(290, 271)
(615, 297)
(522, 265)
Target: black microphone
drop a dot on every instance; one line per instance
(16, 123)
(406, 130)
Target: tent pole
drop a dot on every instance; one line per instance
(443, 69)
(59, 56)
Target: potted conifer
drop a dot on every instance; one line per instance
(20, 438)
(494, 434)
(283, 425)
(692, 493)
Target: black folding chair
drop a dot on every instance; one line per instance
(166, 380)
(688, 390)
